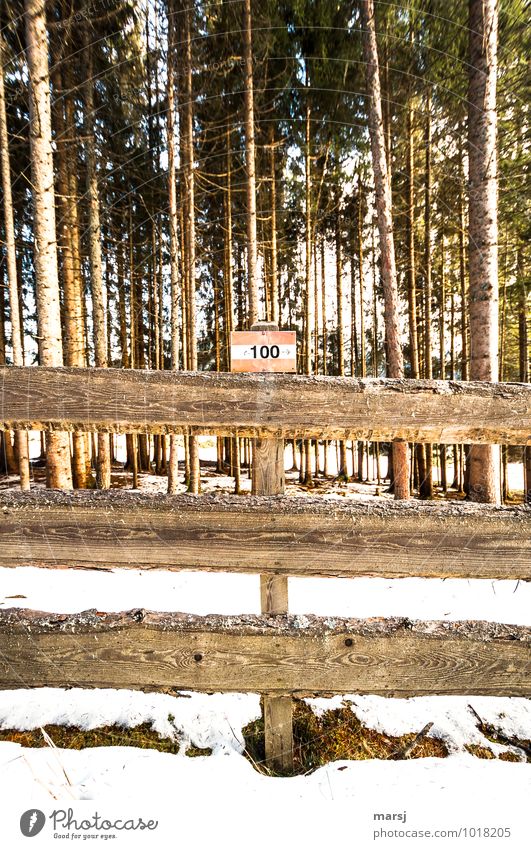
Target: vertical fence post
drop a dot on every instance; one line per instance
(268, 478)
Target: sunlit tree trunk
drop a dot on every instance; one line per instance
(385, 227)
(363, 355)
(484, 462)
(307, 470)
(74, 299)
(426, 482)
(342, 468)
(195, 481)
(99, 301)
(442, 353)
(59, 474)
(523, 355)
(252, 249)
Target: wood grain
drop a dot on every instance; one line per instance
(273, 655)
(268, 478)
(264, 405)
(277, 535)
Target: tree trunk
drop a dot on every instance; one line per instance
(8, 462)
(363, 356)
(426, 481)
(323, 309)
(484, 460)
(195, 479)
(307, 471)
(252, 279)
(99, 305)
(74, 300)
(385, 227)
(21, 436)
(342, 464)
(59, 474)
(523, 357)
(173, 467)
(442, 355)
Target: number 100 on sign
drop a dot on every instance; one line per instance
(263, 350)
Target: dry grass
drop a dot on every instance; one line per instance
(334, 736)
(71, 737)
(480, 752)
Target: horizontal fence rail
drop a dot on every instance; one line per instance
(282, 535)
(274, 655)
(264, 405)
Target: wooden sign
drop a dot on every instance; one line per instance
(263, 350)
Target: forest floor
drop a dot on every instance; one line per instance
(119, 745)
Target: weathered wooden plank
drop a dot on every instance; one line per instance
(284, 536)
(264, 654)
(269, 479)
(268, 475)
(267, 405)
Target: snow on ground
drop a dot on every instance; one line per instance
(221, 800)
(495, 792)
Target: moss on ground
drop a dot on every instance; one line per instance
(71, 737)
(336, 735)
(480, 752)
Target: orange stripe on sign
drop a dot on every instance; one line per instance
(268, 337)
(263, 365)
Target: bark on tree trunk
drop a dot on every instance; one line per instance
(342, 464)
(307, 470)
(385, 227)
(75, 336)
(523, 351)
(195, 479)
(484, 461)
(21, 436)
(426, 480)
(59, 473)
(252, 280)
(173, 467)
(99, 305)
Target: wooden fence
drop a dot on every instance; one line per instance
(275, 654)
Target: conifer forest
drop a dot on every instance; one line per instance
(355, 171)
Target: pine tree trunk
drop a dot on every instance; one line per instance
(354, 356)
(21, 436)
(8, 462)
(523, 357)
(99, 306)
(59, 474)
(173, 467)
(418, 449)
(363, 356)
(426, 480)
(484, 460)
(195, 480)
(75, 327)
(323, 309)
(250, 182)
(385, 227)
(442, 354)
(342, 464)
(307, 469)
